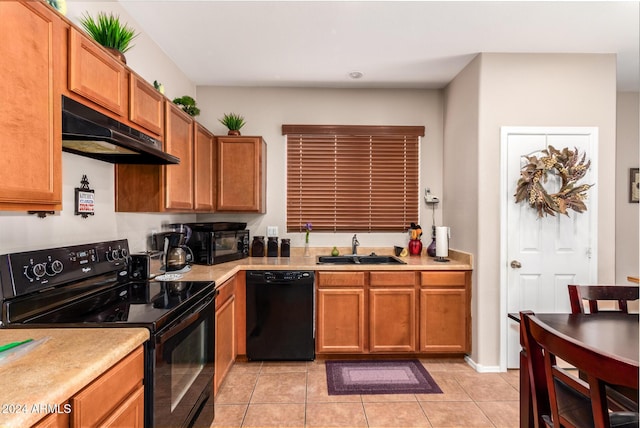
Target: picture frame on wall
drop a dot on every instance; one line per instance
(634, 185)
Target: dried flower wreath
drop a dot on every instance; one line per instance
(569, 166)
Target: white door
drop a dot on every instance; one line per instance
(543, 255)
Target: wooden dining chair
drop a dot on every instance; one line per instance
(592, 293)
(560, 398)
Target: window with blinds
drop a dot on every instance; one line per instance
(352, 178)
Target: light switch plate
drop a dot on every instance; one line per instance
(272, 230)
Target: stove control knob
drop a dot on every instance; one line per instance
(112, 255)
(35, 271)
(123, 253)
(54, 267)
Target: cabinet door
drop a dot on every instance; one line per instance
(204, 174)
(341, 320)
(146, 105)
(392, 320)
(225, 343)
(241, 174)
(129, 414)
(96, 75)
(32, 52)
(445, 318)
(55, 420)
(109, 395)
(179, 142)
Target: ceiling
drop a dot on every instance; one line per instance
(395, 44)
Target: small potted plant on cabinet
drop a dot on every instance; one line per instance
(233, 122)
(188, 105)
(107, 30)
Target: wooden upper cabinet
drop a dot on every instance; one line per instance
(241, 174)
(96, 75)
(178, 142)
(204, 173)
(146, 105)
(33, 50)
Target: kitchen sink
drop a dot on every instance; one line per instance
(372, 259)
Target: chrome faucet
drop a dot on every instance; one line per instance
(354, 244)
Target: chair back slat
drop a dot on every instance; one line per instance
(594, 293)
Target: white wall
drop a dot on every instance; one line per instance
(20, 231)
(627, 156)
(266, 109)
(529, 90)
(461, 171)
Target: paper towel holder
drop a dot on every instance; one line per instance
(442, 250)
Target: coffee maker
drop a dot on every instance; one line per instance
(173, 244)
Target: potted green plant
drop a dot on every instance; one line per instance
(107, 30)
(233, 122)
(188, 105)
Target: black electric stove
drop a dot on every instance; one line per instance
(90, 286)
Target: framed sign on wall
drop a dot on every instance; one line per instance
(85, 199)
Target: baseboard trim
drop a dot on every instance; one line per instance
(481, 368)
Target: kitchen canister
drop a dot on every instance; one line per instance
(442, 243)
(272, 246)
(285, 248)
(257, 246)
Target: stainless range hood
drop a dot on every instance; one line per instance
(87, 132)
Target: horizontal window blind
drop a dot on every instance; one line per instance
(352, 178)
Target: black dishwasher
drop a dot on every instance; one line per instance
(280, 315)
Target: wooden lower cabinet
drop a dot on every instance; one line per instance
(225, 345)
(115, 399)
(392, 320)
(341, 320)
(393, 312)
(445, 312)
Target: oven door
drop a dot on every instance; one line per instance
(184, 364)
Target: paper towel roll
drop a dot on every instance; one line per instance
(442, 241)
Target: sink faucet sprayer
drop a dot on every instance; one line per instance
(354, 244)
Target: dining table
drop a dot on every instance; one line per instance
(610, 333)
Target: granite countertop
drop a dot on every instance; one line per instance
(57, 369)
(219, 273)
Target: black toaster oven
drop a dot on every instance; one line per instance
(218, 242)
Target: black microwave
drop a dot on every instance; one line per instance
(215, 242)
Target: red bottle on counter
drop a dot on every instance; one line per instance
(415, 247)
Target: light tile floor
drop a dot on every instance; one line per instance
(283, 394)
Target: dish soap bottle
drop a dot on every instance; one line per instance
(335, 252)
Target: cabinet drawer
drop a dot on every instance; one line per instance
(226, 290)
(341, 279)
(104, 395)
(443, 279)
(390, 279)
